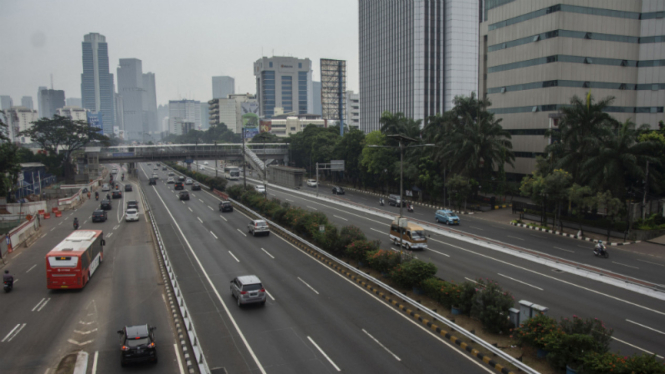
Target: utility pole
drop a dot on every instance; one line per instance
(401, 190)
(216, 158)
(646, 190)
(244, 167)
(317, 179)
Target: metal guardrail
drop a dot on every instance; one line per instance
(523, 367)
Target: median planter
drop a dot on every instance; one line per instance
(455, 310)
(418, 290)
(541, 353)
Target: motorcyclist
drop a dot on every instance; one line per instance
(600, 248)
(76, 223)
(381, 201)
(6, 277)
(108, 197)
(96, 195)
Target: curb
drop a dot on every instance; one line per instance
(570, 235)
(414, 202)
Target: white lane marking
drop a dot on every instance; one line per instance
(267, 253)
(182, 201)
(311, 207)
(268, 293)
(652, 263)
(43, 305)
(384, 233)
(515, 237)
(53, 229)
(199, 219)
(109, 235)
(81, 365)
(38, 304)
(470, 280)
(61, 223)
(213, 234)
(340, 217)
(200, 200)
(33, 266)
(116, 227)
(382, 346)
(219, 297)
(190, 209)
(85, 332)
(310, 287)
(11, 332)
(634, 346)
(177, 355)
(646, 327)
(234, 256)
(477, 228)
(324, 354)
(288, 200)
(86, 323)
(210, 208)
(567, 250)
(94, 362)
(222, 217)
(86, 221)
(241, 232)
(15, 333)
(519, 281)
(628, 266)
(79, 344)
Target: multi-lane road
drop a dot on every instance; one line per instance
(638, 320)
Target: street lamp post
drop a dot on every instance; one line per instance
(244, 167)
(216, 158)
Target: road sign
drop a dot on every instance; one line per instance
(337, 165)
(322, 228)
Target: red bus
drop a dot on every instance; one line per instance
(72, 262)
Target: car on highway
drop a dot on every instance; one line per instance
(99, 216)
(171, 174)
(311, 182)
(149, 163)
(132, 204)
(155, 169)
(115, 171)
(189, 181)
(158, 164)
(260, 188)
(170, 180)
(128, 187)
(106, 187)
(446, 216)
(258, 226)
(153, 181)
(336, 190)
(137, 344)
(196, 186)
(132, 215)
(181, 178)
(116, 194)
(201, 167)
(106, 205)
(183, 195)
(164, 168)
(394, 200)
(179, 186)
(205, 162)
(248, 289)
(154, 175)
(225, 206)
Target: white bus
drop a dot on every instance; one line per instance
(233, 174)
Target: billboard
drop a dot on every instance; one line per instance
(95, 120)
(250, 118)
(265, 126)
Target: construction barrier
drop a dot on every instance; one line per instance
(40, 211)
(47, 215)
(58, 213)
(54, 209)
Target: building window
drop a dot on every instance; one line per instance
(270, 64)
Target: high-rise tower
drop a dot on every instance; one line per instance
(97, 89)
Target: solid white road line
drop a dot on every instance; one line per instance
(382, 232)
(324, 354)
(81, 365)
(311, 207)
(38, 304)
(33, 266)
(267, 253)
(288, 200)
(382, 346)
(190, 209)
(268, 293)
(234, 256)
(222, 217)
(310, 287)
(567, 250)
(94, 362)
(652, 263)
(628, 266)
(43, 305)
(213, 234)
(177, 355)
(519, 281)
(477, 228)
(11, 332)
(515, 237)
(219, 297)
(109, 235)
(340, 217)
(470, 280)
(241, 232)
(634, 346)
(646, 327)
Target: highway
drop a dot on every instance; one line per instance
(638, 320)
(42, 326)
(314, 320)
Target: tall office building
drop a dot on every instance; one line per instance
(73, 112)
(26, 101)
(119, 118)
(229, 111)
(51, 101)
(333, 89)
(6, 102)
(19, 119)
(352, 116)
(205, 116)
(534, 56)
(316, 89)
(222, 87)
(284, 82)
(184, 115)
(73, 101)
(415, 56)
(39, 101)
(150, 105)
(97, 88)
(130, 87)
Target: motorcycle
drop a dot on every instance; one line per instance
(76, 225)
(97, 197)
(8, 286)
(409, 208)
(603, 252)
(381, 202)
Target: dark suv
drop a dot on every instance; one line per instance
(137, 344)
(99, 216)
(183, 195)
(106, 205)
(225, 206)
(336, 190)
(153, 181)
(133, 204)
(179, 186)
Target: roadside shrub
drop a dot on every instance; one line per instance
(565, 349)
(597, 363)
(433, 288)
(490, 306)
(358, 249)
(327, 240)
(347, 235)
(412, 273)
(592, 327)
(383, 260)
(235, 192)
(466, 295)
(534, 331)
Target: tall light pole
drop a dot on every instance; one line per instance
(216, 158)
(244, 167)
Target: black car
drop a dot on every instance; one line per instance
(133, 204)
(153, 181)
(99, 216)
(137, 344)
(181, 178)
(128, 187)
(196, 186)
(106, 205)
(116, 194)
(183, 195)
(179, 186)
(164, 168)
(337, 190)
(225, 206)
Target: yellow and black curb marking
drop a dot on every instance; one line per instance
(388, 297)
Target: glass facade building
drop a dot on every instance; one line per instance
(285, 83)
(97, 88)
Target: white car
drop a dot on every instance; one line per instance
(106, 187)
(201, 167)
(311, 182)
(132, 215)
(114, 171)
(260, 188)
(189, 181)
(205, 162)
(170, 180)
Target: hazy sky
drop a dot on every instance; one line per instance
(184, 42)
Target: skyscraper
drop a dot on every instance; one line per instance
(182, 113)
(130, 87)
(39, 101)
(415, 56)
(97, 89)
(73, 101)
(6, 102)
(26, 101)
(150, 104)
(222, 87)
(284, 82)
(51, 101)
(316, 89)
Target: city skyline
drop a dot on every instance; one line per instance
(43, 48)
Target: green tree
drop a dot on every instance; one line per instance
(9, 161)
(266, 137)
(460, 188)
(581, 197)
(611, 205)
(555, 186)
(349, 149)
(378, 161)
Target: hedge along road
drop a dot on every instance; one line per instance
(313, 320)
(565, 294)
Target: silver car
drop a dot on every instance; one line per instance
(189, 181)
(258, 226)
(248, 289)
